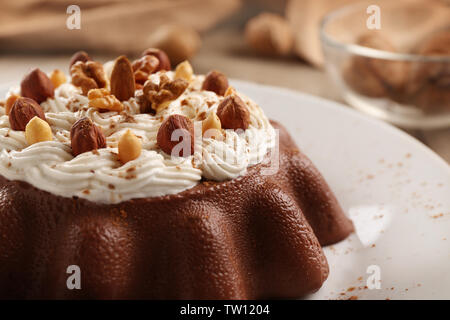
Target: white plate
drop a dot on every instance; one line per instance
(396, 191)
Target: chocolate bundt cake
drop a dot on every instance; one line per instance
(94, 183)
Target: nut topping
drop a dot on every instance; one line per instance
(9, 103)
(130, 147)
(88, 75)
(211, 126)
(172, 130)
(22, 111)
(144, 67)
(233, 113)
(79, 56)
(215, 81)
(230, 91)
(122, 79)
(184, 71)
(86, 136)
(102, 99)
(58, 78)
(160, 95)
(38, 130)
(164, 61)
(37, 86)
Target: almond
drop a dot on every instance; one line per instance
(79, 56)
(86, 136)
(215, 81)
(22, 111)
(130, 147)
(233, 113)
(122, 79)
(38, 130)
(172, 130)
(37, 86)
(164, 61)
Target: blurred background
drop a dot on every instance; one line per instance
(273, 42)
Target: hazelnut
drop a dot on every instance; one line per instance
(180, 42)
(164, 61)
(172, 129)
(37, 86)
(22, 111)
(122, 79)
(184, 71)
(101, 99)
(429, 84)
(233, 113)
(58, 78)
(211, 126)
(130, 147)
(79, 56)
(9, 103)
(269, 34)
(38, 130)
(215, 81)
(86, 136)
(375, 77)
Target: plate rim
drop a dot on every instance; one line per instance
(341, 107)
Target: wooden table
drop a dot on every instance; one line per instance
(224, 49)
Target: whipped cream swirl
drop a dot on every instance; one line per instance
(99, 176)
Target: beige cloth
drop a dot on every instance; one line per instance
(106, 25)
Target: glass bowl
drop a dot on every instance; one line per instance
(400, 72)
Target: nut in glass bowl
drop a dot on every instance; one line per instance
(399, 72)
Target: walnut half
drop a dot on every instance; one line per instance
(88, 75)
(157, 96)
